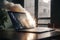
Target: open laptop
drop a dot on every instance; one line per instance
(37, 30)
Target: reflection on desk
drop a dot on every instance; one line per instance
(37, 33)
(26, 36)
(48, 35)
(37, 36)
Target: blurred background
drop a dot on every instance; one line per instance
(45, 11)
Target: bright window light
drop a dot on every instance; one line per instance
(46, 1)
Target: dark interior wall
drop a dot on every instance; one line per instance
(55, 12)
(19, 2)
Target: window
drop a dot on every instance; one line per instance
(40, 9)
(44, 12)
(29, 5)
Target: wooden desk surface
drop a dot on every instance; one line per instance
(33, 35)
(48, 35)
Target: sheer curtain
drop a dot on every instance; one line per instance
(29, 6)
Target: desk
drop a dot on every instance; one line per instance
(49, 35)
(40, 33)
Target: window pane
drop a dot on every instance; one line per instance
(45, 21)
(29, 6)
(43, 8)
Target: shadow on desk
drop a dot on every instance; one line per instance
(7, 35)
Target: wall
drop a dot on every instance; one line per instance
(55, 12)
